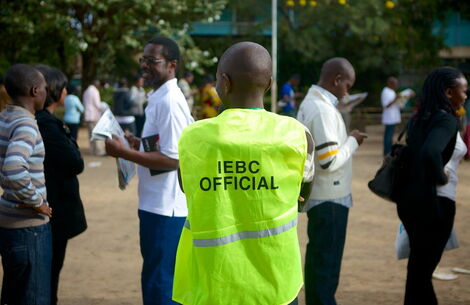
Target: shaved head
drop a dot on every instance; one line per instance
(20, 79)
(244, 70)
(336, 66)
(337, 76)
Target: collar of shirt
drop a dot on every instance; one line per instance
(163, 88)
(333, 99)
(14, 107)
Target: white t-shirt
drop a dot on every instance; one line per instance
(449, 190)
(391, 115)
(167, 114)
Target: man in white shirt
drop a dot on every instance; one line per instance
(93, 110)
(330, 199)
(162, 204)
(391, 111)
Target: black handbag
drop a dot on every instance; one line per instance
(386, 180)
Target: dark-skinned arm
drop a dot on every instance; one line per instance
(306, 186)
(397, 98)
(180, 180)
(152, 160)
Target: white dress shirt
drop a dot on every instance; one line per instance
(92, 103)
(390, 115)
(167, 114)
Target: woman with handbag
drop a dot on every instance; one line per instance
(428, 217)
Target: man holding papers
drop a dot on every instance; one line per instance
(162, 204)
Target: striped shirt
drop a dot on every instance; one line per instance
(21, 169)
(333, 151)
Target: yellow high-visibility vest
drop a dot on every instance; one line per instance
(241, 172)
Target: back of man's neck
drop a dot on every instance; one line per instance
(23, 104)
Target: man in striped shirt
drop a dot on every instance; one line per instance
(25, 238)
(330, 199)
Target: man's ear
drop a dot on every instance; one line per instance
(337, 80)
(227, 83)
(173, 64)
(34, 91)
(269, 84)
(449, 92)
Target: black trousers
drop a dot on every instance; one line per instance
(58, 255)
(327, 223)
(428, 233)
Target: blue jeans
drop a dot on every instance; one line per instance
(388, 138)
(327, 224)
(26, 259)
(159, 237)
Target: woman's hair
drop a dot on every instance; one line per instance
(208, 78)
(433, 96)
(72, 89)
(56, 82)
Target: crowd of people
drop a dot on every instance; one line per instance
(221, 228)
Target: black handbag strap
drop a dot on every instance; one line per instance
(404, 131)
(401, 134)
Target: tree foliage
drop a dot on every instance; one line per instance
(379, 37)
(55, 31)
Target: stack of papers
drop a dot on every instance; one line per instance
(106, 127)
(405, 96)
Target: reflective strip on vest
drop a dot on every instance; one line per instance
(211, 242)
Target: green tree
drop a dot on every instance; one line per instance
(55, 31)
(379, 40)
(379, 37)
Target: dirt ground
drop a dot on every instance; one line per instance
(102, 265)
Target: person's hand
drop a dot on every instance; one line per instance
(114, 147)
(359, 136)
(300, 204)
(42, 209)
(134, 141)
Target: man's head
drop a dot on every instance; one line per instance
(159, 61)
(392, 83)
(188, 76)
(294, 80)
(26, 86)
(123, 82)
(337, 76)
(244, 75)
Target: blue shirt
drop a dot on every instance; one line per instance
(73, 109)
(288, 90)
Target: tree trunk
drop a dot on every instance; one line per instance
(88, 67)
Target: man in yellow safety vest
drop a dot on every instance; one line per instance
(242, 173)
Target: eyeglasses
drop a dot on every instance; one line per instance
(150, 60)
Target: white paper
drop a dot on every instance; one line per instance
(405, 96)
(358, 98)
(106, 127)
